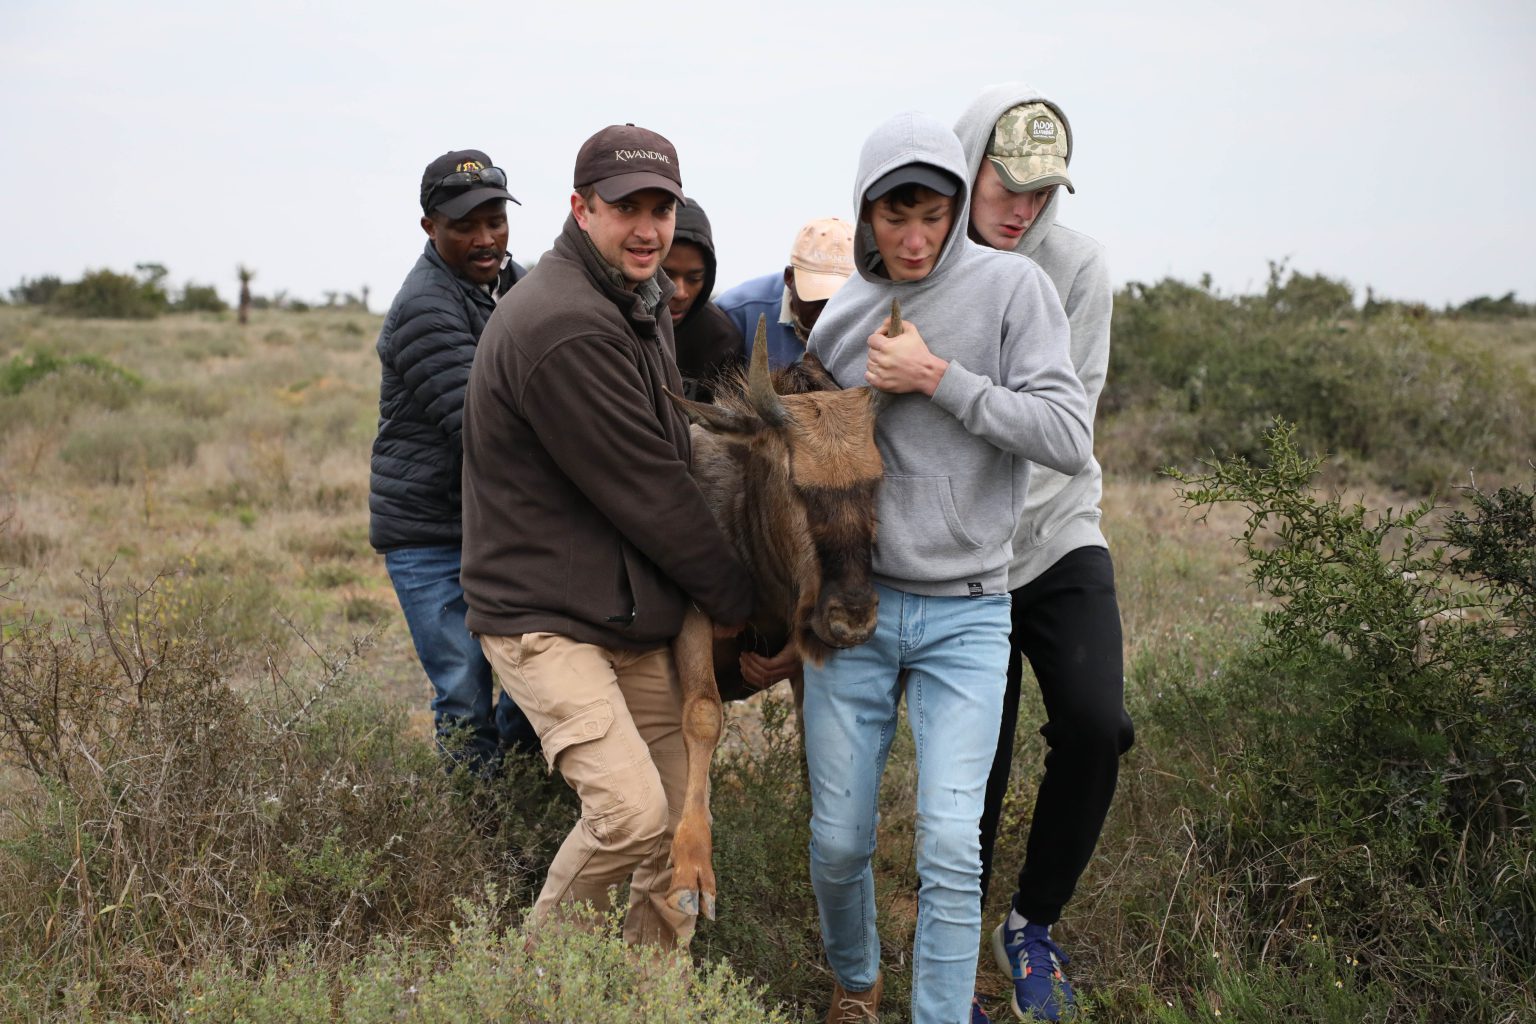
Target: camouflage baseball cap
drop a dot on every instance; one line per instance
(1029, 148)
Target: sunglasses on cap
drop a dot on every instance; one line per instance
(492, 176)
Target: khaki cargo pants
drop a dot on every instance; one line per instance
(611, 721)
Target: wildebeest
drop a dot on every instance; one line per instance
(791, 471)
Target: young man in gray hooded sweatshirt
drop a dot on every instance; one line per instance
(1066, 621)
(981, 386)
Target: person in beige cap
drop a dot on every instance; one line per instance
(819, 262)
(1065, 618)
(585, 535)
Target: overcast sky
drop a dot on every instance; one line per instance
(1392, 144)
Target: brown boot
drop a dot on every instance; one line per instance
(856, 1007)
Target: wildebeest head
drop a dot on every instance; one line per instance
(809, 477)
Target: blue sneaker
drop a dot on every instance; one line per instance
(978, 1015)
(1040, 990)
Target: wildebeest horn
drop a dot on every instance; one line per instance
(880, 399)
(759, 383)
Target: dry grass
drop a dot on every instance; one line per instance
(239, 464)
(258, 538)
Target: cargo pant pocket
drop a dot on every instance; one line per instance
(581, 726)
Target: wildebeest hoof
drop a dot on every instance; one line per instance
(687, 901)
(684, 901)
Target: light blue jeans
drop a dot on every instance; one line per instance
(426, 580)
(955, 650)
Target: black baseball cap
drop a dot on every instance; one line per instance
(460, 180)
(926, 175)
(622, 159)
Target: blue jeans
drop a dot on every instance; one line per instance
(955, 651)
(426, 581)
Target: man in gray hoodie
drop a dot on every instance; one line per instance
(981, 387)
(1018, 145)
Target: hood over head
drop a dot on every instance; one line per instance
(693, 226)
(975, 128)
(909, 138)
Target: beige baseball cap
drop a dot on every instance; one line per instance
(1029, 148)
(822, 258)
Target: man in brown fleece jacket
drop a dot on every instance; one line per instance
(585, 537)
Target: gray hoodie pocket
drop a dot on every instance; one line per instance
(920, 534)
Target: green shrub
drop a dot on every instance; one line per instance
(1379, 779)
(37, 292)
(155, 815)
(126, 447)
(1504, 306)
(329, 575)
(232, 603)
(200, 401)
(336, 544)
(104, 293)
(1397, 396)
(1307, 296)
(21, 546)
(23, 372)
(562, 974)
(361, 608)
(766, 923)
(200, 298)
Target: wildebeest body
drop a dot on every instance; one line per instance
(791, 472)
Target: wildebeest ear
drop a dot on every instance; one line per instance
(715, 419)
(815, 375)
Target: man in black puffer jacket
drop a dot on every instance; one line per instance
(426, 348)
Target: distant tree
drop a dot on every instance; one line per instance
(246, 273)
(37, 292)
(152, 275)
(104, 293)
(1308, 297)
(200, 298)
(1486, 306)
(1374, 307)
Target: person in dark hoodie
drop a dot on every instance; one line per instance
(585, 536)
(425, 349)
(708, 343)
(980, 388)
(1066, 621)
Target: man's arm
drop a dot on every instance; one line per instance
(432, 349)
(620, 459)
(1039, 411)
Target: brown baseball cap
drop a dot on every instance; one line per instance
(822, 258)
(623, 159)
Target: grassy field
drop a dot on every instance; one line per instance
(219, 797)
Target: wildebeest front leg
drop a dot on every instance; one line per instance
(693, 876)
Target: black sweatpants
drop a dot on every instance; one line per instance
(1067, 623)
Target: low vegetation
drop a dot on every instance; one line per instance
(1395, 395)
(219, 800)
